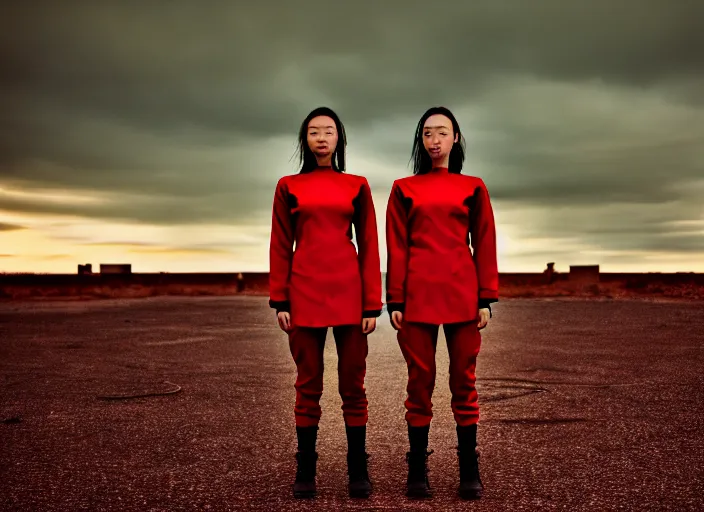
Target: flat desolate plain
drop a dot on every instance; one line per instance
(585, 405)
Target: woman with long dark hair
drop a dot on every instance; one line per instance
(325, 282)
(434, 278)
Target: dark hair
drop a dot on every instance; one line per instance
(306, 158)
(422, 162)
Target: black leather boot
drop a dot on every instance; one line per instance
(471, 486)
(418, 484)
(306, 457)
(359, 485)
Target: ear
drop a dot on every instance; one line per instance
(457, 137)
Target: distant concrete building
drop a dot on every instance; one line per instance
(115, 268)
(584, 273)
(85, 269)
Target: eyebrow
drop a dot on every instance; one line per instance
(440, 126)
(318, 126)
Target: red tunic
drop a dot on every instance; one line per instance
(432, 274)
(325, 281)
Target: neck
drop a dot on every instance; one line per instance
(441, 162)
(324, 161)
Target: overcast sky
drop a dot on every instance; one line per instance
(153, 133)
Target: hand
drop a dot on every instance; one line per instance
(284, 318)
(396, 319)
(368, 325)
(483, 318)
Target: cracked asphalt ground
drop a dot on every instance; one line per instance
(585, 405)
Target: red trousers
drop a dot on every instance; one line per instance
(307, 344)
(418, 343)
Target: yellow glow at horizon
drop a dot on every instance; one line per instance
(53, 196)
(40, 248)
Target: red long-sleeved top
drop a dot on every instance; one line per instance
(432, 274)
(325, 281)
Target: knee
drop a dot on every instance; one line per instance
(352, 384)
(352, 372)
(421, 375)
(353, 395)
(463, 387)
(310, 384)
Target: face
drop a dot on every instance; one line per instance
(322, 135)
(438, 136)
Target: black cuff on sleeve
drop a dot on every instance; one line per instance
(486, 303)
(281, 306)
(371, 313)
(395, 306)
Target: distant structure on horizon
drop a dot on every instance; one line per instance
(115, 268)
(586, 274)
(549, 272)
(580, 274)
(106, 268)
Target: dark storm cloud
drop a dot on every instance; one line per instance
(615, 227)
(246, 69)
(180, 112)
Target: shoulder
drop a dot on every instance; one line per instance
(282, 183)
(287, 184)
(401, 183)
(407, 179)
(355, 178)
(473, 181)
(358, 182)
(474, 178)
(287, 178)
